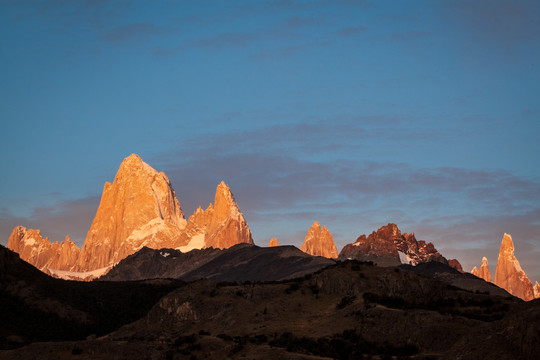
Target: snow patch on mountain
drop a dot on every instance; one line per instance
(406, 259)
(196, 242)
(148, 229)
(75, 275)
(29, 241)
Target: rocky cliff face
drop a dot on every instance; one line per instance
(138, 209)
(273, 242)
(319, 242)
(536, 290)
(33, 248)
(483, 272)
(388, 247)
(509, 274)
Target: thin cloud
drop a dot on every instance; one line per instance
(224, 40)
(91, 15)
(299, 4)
(246, 39)
(407, 36)
(282, 53)
(502, 21)
(301, 22)
(350, 31)
(137, 31)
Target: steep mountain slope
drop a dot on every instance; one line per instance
(509, 274)
(319, 242)
(242, 262)
(388, 247)
(138, 209)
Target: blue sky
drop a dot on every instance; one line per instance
(350, 113)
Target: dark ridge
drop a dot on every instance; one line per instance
(239, 263)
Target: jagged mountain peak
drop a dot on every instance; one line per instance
(482, 272)
(389, 247)
(390, 230)
(318, 227)
(273, 242)
(507, 245)
(40, 252)
(319, 242)
(223, 190)
(133, 165)
(221, 225)
(139, 208)
(509, 275)
(224, 203)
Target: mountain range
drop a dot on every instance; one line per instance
(140, 209)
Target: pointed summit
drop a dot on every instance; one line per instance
(509, 274)
(133, 161)
(221, 225)
(483, 272)
(273, 242)
(224, 203)
(138, 209)
(319, 242)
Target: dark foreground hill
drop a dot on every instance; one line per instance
(350, 310)
(466, 281)
(242, 262)
(37, 307)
